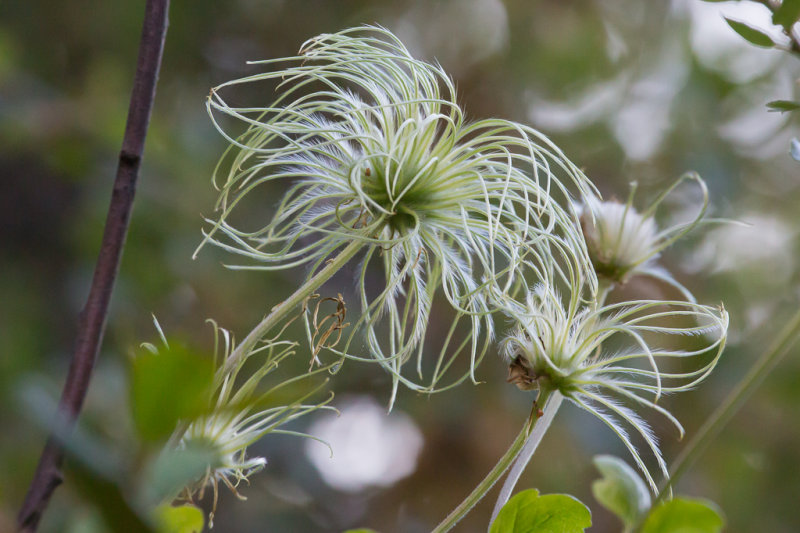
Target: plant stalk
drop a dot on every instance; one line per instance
(280, 311)
(723, 414)
(93, 318)
(499, 469)
(551, 405)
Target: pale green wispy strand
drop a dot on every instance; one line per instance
(372, 148)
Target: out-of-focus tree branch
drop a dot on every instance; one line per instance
(92, 321)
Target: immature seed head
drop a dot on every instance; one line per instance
(624, 242)
(237, 415)
(619, 238)
(220, 434)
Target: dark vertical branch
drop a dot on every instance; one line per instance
(92, 321)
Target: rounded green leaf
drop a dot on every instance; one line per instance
(683, 515)
(166, 387)
(621, 490)
(180, 519)
(527, 512)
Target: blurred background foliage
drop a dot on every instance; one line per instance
(630, 90)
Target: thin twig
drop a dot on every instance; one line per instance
(92, 320)
(784, 342)
(551, 405)
(536, 424)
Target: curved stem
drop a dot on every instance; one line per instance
(604, 288)
(502, 465)
(280, 311)
(551, 405)
(723, 414)
(92, 320)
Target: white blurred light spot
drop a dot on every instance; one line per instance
(719, 48)
(764, 244)
(753, 130)
(459, 32)
(637, 110)
(370, 447)
(756, 132)
(616, 47)
(643, 120)
(580, 111)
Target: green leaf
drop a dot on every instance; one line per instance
(621, 490)
(783, 105)
(180, 519)
(752, 35)
(683, 515)
(787, 13)
(527, 512)
(174, 469)
(166, 387)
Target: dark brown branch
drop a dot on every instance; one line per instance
(92, 320)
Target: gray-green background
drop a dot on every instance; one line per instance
(630, 90)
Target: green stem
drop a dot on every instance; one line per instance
(550, 401)
(723, 414)
(604, 288)
(280, 311)
(502, 465)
